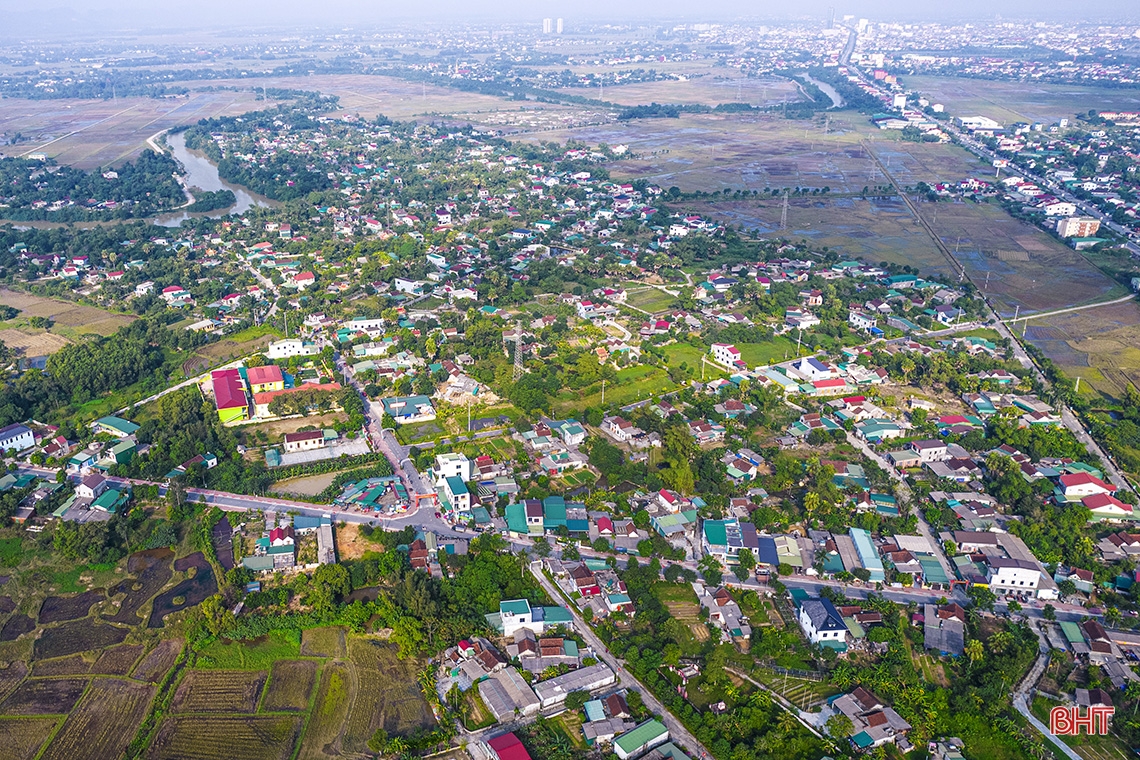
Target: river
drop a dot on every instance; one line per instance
(202, 173)
(836, 98)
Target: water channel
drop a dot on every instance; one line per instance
(202, 173)
(836, 98)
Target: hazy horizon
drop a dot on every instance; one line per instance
(70, 18)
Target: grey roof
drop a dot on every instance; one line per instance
(823, 615)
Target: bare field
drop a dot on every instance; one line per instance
(1101, 346)
(371, 95)
(103, 723)
(32, 343)
(279, 428)
(752, 151)
(1020, 101)
(1053, 276)
(873, 230)
(309, 485)
(71, 320)
(94, 133)
(704, 90)
(350, 544)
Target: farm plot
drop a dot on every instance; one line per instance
(330, 709)
(44, 696)
(388, 695)
(22, 738)
(103, 723)
(290, 682)
(254, 654)
(1051, 276)
(214, 737)
(158, 660)
(223, 540)
(227, 691)
(57, 609)
(71, 320)
(75, 665)
(1101, 346)
(78, 636)
(323, 642)
(12, 675)
(32, 342)
(151, 569)
(117, 661)
(651, 300)
(681, 601)
(192, 591)
(16, 627)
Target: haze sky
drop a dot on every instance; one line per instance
(86, 17)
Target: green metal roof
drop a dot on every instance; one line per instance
(515, 606)
(640, 736)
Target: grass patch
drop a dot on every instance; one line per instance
(475, 713)
(570, 722)
(11, 551)
(67, 581)
(631, 384)
(255, 654)
(775, 350)
(651, 300)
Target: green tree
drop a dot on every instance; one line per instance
(839, 726)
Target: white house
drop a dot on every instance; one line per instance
(16, 437)
(618, 428)
(305, 441)
(1017, 575)
(284, 349)
(822, 623)
(456, 493)
(860, 321)
(92, 486)
(811, 369)
(1077, 485)
(930, 450)
(453, 465)
(725, 353)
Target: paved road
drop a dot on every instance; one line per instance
(677, 732)
(903, 490)
(1042, 314)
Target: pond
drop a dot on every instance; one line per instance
(189, 592)
(202, 173)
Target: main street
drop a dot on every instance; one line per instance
(677, 731)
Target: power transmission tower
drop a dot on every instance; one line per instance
(784, 213)
(518, 352)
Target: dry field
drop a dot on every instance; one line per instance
(707, 90)
(70, 321)
(1049, 276)
(94, 133)
(309, 485)
(350, 544)
(1101, 346)
(1021, 101)
(371, 95)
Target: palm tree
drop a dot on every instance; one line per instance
(974, 650)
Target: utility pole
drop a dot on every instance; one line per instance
(603, 392)
(518, 372)
(784, 212)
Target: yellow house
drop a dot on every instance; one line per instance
(264, 379)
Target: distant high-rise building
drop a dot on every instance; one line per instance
(559, 26)
(1078, 226)
(831, 17)
(547, 25)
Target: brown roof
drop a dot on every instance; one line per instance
(876, 719)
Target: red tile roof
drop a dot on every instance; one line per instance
(228, 391)
(270, 373)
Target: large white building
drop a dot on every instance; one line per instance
(290, 347)
(822, 623)
(452, 465)
(1012, 575)
(16, 437)
(725, 353)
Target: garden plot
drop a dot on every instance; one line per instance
(213, 691)
(226, 737)
(103, 723)
(44, 696)
(290, 683)
(21, 738)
